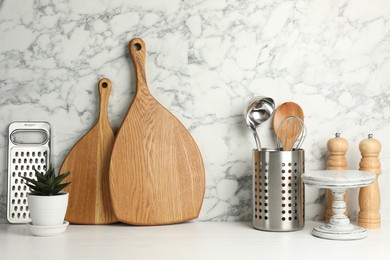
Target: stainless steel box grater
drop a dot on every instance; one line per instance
(28, 148)
(278, 190)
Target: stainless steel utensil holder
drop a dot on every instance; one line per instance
(278, 191)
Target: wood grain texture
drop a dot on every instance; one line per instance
(88, 163)
(156, 170)
(337, 148)
(287, 135)
(369, 197)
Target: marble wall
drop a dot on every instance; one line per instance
(205, 60)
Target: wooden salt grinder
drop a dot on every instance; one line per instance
(337, 148)
(369, 197)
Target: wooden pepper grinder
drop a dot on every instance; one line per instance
(369, 197)
(337, 148)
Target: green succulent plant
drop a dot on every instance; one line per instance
(46, 183)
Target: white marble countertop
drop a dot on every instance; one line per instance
(193, 240)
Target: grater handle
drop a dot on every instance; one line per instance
(15, 127)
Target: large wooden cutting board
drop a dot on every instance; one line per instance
(156, 170)
(88, 163)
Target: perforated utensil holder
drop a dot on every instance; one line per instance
(278, 191)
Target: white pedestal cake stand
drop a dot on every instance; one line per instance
(339, 227)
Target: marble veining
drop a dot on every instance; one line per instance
(205, 60)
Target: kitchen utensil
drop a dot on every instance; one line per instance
(88, 163)
(28, 148)
(156, 170)
(291, 133)
(369, 197)
(257, 112)
(339, 227)
(278, 192)
(337, 160)
(287, 136)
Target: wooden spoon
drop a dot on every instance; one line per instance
(285, 132)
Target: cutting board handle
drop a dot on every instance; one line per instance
(105, 87)
(138, 54)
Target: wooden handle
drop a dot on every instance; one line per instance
(104, 87)
(137, 49)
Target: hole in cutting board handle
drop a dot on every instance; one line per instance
(137, 47)
(104, 85)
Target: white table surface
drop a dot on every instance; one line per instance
(192, 240)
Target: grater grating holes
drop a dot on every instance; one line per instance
(23, 164)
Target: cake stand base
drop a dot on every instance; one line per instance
(339, 227)
(332, 232)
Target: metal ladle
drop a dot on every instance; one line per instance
(259, 110)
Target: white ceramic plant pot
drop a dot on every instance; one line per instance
(47, 210)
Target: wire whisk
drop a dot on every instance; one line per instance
(291, 133)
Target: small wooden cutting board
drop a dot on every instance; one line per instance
(88, 163)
